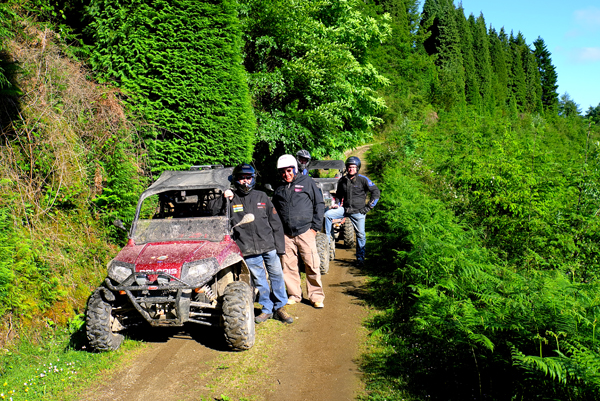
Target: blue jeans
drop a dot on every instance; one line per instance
(358, 221)
(275, 297)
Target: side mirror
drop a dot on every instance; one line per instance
(119, 224)
(269, 187)
(249, 218)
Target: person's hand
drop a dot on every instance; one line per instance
(365, 210)
(335, 206)
(228, 194)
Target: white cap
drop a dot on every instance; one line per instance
(287, 161)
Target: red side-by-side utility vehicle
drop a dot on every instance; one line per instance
(179, 266)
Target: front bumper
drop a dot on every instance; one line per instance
(169, 304)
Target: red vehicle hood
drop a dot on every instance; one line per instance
(169, 257)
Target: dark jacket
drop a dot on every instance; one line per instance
(352, 193)
(265, 233)
(300, 205)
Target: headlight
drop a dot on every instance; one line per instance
(199, 270)
(119, 271)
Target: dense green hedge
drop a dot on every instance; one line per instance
(179, 62)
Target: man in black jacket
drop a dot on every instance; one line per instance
(351, 196)
(299, 203)
(260, 241)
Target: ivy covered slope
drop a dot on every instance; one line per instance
(67, 162)
(179, 63)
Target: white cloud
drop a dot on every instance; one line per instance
(588, 18)
(586, 55)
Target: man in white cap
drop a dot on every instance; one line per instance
(300, 206)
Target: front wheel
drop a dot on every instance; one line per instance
(100, 324)
(238, 316)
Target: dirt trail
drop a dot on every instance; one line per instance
(312, 359)
(315, 358)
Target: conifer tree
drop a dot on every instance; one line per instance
(466, 41)
(499, 68)
(516, 72)
(411, 72)
(548, 75)
(447, 47)
(481, 50)
(567, 106)
(593, 113)
(533, 84)
(430, 19)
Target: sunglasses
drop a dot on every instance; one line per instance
(286, 170)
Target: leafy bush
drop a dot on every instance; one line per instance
(309, 77)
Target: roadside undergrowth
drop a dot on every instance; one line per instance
(54, 365)
(61, 164)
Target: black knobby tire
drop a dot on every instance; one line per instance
(238, 316)
(349, 234)
(323, 250)
(98, 324)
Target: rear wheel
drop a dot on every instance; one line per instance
(331, 249)
(323, 249)
(238, 316)
(100, 324)
(349, 234)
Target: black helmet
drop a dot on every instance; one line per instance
(304, 154)
(244, 169)
(353, 160)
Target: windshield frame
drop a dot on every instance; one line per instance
(204, 228)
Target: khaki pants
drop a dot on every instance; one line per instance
(306, 246)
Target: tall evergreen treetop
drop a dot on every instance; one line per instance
(472, 94)
(533, 84)
(548, 75)
(430, 22)
(567, 106)
(517, 84)
(499, 67)
(481, 50)
(593, 113)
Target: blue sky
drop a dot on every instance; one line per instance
(570, 29)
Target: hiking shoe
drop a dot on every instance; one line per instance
(282, 315)
(318, 305)
(263, 317)
(292, 301)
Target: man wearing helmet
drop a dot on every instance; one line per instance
(260, 241)
(299, 203)
(351, 196)
(303, 159)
